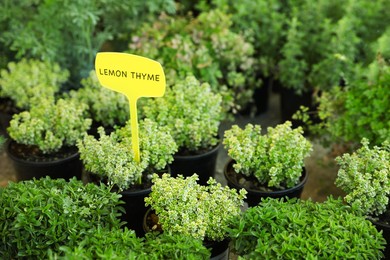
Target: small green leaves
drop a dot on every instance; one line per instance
(275, 159)
(299, 229)
(185, 207)
(365, 176)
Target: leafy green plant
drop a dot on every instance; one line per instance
(123, 244)
(205, 47)
(299, 229)
(50, 125)
(28, 80)
(275, 159)
(185, 207)
(365, 176)
(111, 156)
(106, 107)
(359, 110)
(2, 141)
(70, 33)
(192, 113)
(43, 214)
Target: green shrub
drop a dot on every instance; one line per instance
(50, 125)
(44, 214)
(106, 107)
(191, 111)
(298, 229)
(365, 176)
(111, 157)
(275, 159)
(29, 81)
(187, 208)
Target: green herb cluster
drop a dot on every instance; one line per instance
(185, 207)
(276, 159)
(29, 81)
(44, 214)
(111, 156)
(106, 107)
(299, 229)
(50, 125)
(191, 111)
(203, 46)
(365, 176)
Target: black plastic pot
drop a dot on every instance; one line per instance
(202, 164)
(135, 209)
(290, 102)
(254, 196)
(385, 228)
(65, 168)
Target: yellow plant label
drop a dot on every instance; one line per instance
(135, 77)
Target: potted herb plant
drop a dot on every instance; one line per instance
(364, 176)
(192, 113)
(106, 108)
(110, 159)
(269, 165)
(46, 213)
(298, 229)
(182, 206)
(25, 80)
(43, 139)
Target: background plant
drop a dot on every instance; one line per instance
(44, 214)
(364, 175)
(191, 111)
(206, 47)
(50, 125)
(111, 156)
(299, 229)
(187, 208)
(70, 33)
(28, 79)
(106, 107)
(276, 159)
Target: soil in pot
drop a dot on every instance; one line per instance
(30, 163)
(202, 163)
(255, 190)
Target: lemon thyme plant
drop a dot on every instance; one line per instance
(106, 107)
(275, 159)
(192, 113)
(27, 79)
(50, 125)
(365, 176)
(303, 229)
(201, 211)
(111, 156)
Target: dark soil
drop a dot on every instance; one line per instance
(32, 153)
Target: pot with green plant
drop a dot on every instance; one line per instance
(25, 80)
(302, 229)
(182, 206)
(110, 159)
(43, 139)
(192, 113)
(42, 214)
(269, 165)
(364, 176)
